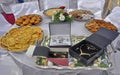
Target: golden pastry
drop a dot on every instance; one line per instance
(28, 20)
(19, 39)
(94, 24)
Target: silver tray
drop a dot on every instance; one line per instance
(103, 62)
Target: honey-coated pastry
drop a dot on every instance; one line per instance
(94, 24)
(28, 20)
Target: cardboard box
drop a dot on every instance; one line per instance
(93, 46)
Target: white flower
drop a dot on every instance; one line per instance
(99, 60)
(62, 17)
(95, 65)
(50, 63)
(70, 15)
(61, 14)
(53, 17)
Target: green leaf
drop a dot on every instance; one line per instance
(79, 63)
(103, 65)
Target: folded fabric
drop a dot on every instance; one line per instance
(9, 17)
(7, 13)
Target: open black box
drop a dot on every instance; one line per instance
(93, 46)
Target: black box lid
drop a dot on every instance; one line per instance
(102, 37)
(41, 51)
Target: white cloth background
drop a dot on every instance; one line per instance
(4, 25)
(96, 6)
(25, 8)
(114, 17)
(45, 4)
(8, 1)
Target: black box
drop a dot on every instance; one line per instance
(93, 46)
(41, 51)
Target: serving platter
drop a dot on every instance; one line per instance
(103, 62)
(28, 20)
(94, 24)
(81, 15)
(50, 12)
(19, 39)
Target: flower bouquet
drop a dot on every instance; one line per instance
(61, 16)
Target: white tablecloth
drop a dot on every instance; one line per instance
(8, 66)
(27, 65)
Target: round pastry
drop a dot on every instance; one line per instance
(28, 20)
(94, 24)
